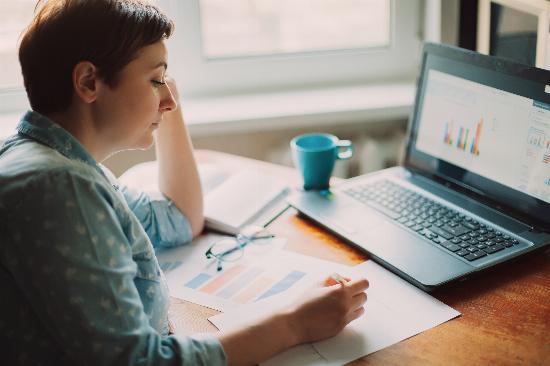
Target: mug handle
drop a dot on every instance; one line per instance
(348, 152)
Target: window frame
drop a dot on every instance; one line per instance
(203, 78)
(538, 8)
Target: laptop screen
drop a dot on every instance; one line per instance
(494, 133)
(484, 124)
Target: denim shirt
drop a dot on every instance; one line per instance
(80, 279)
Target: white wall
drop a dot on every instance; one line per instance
(377, 145)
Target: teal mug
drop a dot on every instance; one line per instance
(315, 154)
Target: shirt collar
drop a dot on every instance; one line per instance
(42, 129)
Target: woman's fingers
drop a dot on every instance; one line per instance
(358, 300)
(358, 285)
(355, 314)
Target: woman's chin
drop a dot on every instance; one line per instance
(145, 143)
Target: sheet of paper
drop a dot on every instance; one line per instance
(303, 355)
(263, 271)
(286, 275)
(395, 310)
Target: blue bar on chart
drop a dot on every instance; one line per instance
(240, 283)
(284, 284)
(198, 280)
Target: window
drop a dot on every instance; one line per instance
(513, 34)
(251, 28)
(229, 47)
(14, 17)
(515, 29)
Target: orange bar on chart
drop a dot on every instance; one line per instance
(261, 284)
(475, 149)
(221, 280)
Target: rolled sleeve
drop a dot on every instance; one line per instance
(163, 222)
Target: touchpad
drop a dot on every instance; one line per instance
(354, 219)
(410, 254)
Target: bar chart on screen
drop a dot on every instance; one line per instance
(465, 140)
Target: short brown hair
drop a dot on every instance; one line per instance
(108, 33)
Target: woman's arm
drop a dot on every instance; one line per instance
(178, 174)
(319, 314)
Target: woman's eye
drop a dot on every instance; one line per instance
(158, 83)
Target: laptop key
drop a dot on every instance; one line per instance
(463, 252)
(457, 230)
(450, 246)
(493, 249)
(475, 255)
(429, 234)
(438, 240)
(469, 225)
(441, 232)
(417, 227)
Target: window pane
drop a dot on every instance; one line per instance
(15, 15)
(259, 27)
(513, 34)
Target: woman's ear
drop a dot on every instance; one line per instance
(85, 81)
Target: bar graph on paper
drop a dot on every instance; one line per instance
(243, 284)
(461, 138)
(238, 284)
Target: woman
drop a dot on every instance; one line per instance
(77, 252)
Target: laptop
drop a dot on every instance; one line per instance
(474, 188)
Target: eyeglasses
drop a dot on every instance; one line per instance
(231, 249)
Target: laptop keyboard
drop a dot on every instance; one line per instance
(456, 232)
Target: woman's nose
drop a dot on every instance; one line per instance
(168, 103)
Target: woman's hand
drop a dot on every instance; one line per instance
(324, 311)
(319, 314)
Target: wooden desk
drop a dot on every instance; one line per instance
(505, 313)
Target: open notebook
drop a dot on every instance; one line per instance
(244, 198)
(231, 201)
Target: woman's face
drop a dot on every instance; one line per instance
(130, 112)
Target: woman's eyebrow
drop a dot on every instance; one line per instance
(162, 63)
